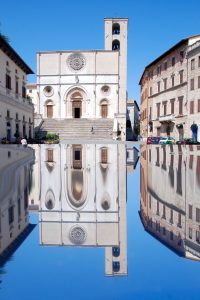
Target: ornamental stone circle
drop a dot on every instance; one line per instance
(76, 61)
(77, 235)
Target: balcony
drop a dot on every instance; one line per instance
(166, 118)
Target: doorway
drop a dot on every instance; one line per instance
(50, 111)
(77, 109)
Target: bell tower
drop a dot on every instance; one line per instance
(116, 36)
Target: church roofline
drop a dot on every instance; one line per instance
(76, 51)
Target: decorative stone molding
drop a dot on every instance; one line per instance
(77, 235)
(76, 62)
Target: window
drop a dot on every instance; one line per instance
(190, 233)
(158, 84)
(172, 106)
(199, 62)
(25, 198)
(149, 202)
(115, 45)
(190, 211)
(150, 91)
(159, 69)
(104, 155)
(172, 80)
(157, 212)
(181, 56)
(9, 154)
(198, 105)
(198, 82)
(181, 76)
(191, 107)
(16, 116)
(50, 155)
(165, 83)
(165, 65)
(116, 28)
(164, 212)
(164, 231)
(179, 220)
(8, 82)
(16, 87)
(171, 216)
(149, 155)
(158, 156)
(23, 118)
(165, 107)
(192, 64)
(158, 110)
(191, 162)
(192, 84)
(173, 61)
(8, 114)
(19, 207)
(23, 91)
(197, 236)
(197, 214)
(30, 91)
(171, 235)
(11, 215)
(180, 99)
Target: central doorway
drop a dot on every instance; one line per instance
(49, 111)
(76, 108)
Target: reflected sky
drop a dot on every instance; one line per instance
(82, 216)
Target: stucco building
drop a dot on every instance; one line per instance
(15, 165)
(165, 92)
(86, 85)
(169, 211)
(16, 111)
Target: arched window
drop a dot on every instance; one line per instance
(115, 45)
(49, 109)
(116, 28)
(104, 108)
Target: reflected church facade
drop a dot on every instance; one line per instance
(81, 201)
(169, 196)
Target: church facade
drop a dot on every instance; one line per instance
(86, 84)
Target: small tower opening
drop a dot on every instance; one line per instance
(116, 28)
(115, 45)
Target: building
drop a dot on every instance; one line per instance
(165, 92)
(16, 110)
(132, 158)
(81, 202)
(132, 120)
(33, 95)
(169, 211)
(14, 191)
(87, 88)
(193, 88)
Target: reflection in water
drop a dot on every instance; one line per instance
(79, 192)
(82, 199)
(15, 166)
(169, 196)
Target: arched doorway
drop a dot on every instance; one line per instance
(76, 99)
(104, 108)
(49, 109)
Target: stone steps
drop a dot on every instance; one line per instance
(78, 128)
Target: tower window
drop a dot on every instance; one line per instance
(116, 28)
(115, 45)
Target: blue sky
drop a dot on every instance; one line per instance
(154, 26)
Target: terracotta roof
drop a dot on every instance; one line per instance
(12, 54)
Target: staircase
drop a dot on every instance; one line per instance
(78, 128)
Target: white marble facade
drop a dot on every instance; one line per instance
(86, 84)
(81, 202)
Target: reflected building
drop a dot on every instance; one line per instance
(15, 162)
(169, 196)
(83, 199)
